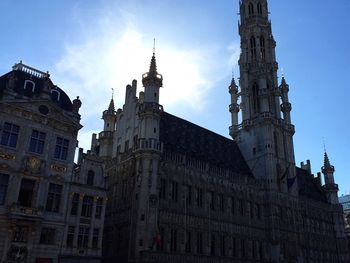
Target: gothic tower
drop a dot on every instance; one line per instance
(265, 135)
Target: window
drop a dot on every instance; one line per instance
(212, 245)
(70, 236)
(95, 235)
(234, 247)
(83, 237)
(61, 149)
(37, 142)
(241, 208)
(162, 190)
(160, 239)
(174, 191)
(259, 8)
(87, 206)
(243, 248)
(29, 86)
(99, 206)
(253, 48)
(188, 247)
(173, 240)
(54, 198)
(90, 177)
(222, 246)
(256, 101)
(55, 95)
(9, 135)
(232, 205)
(251, 9)
(188, 195)
(199, 243)
(20, 234)
(211, 201)
(47, 236)
(75, 204)
(222, 202)
(199, 197)
(4, 180)
(262, 48)
(26, 192)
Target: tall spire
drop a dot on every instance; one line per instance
(327, 164)
(152, 76)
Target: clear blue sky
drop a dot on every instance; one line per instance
(91, 46)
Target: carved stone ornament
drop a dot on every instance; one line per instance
(34, 163)
(58, 168)
(7, 156)
(17, 253)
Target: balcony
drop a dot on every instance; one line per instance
(105, 135)
(16, 211)
(148, 145)
(150, 107)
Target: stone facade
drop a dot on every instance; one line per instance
(38, 177)
(180, 193)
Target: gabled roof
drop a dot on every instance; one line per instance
(309, 187)
(184, 137)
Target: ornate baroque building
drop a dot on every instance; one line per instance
(51, 209)
(180, 193)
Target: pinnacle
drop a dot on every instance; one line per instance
(326, 160)
(111, 106)
(153, 66)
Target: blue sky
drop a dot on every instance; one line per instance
(91, 46)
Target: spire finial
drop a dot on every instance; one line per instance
(324, 145)
(112, 93)
(282, 72)
(154, 46)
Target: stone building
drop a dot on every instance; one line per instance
(181, 193)
(50, 207)
(345, 201)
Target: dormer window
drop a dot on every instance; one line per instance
(29, 86)
(55, 95)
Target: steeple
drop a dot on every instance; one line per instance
(152, 77)
(330, 186)
(110, 116)
(265, 137)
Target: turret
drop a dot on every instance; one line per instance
(330, 186)
(286, 107)
(110, 117)
(234, 107)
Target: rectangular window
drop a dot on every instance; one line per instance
(75, 204)
(61, 149)
(4, 180)
(160, 239)
(86, 209)
(9, 135)
(233, 205)
(54, 198)
(20, 234)
(188, 244)
(47, 236)
(212, 200)
(174, 191)
(222, 202)
(95, 235)
(162, 190)
(243, 248)
(83, 237)
(222, 246)
(234, 247)
(241, 208)
(199, 243)
(188, 195)
(70, 236)
(37, 142)
(173, 240)
(26, 192)
(199, 197)
(99, 206)
(212, 245)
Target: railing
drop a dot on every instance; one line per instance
(32, 71)
(151, 107)
(148, 144)
(16, 210)
(105, 134)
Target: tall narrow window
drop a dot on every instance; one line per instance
(90, 177)
(253, 48)
(9, 135)
(26, 192)
(262, 48)
(259, 7)
(211, 200)
(256, 101)
(162, 190)
(199, 243)
(55, 95)
(95, 235)
(54, 198)
(173, 240)
(232, 205)
(75, 204)
(199, 197)
(243, 248)
(4, 180)
(234, 247)
(212, 245)
(83, 237)
(251, 9)
(222, 202)
(37, 142)
(222, 246)
(70, 236)
(61, 149)
(188, 195)
(188, 246)
(86, 209)
(174, 191)
(99, 206)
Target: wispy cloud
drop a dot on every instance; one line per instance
(112, 53)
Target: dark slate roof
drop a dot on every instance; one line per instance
(64, 102)
(184, 137)
(308, 186)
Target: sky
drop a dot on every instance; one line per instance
(92, 46)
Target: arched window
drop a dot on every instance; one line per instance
(251, 9)
(55, 95)
(90, 177)
(29, 87)
(262, 47)
(259, 8)
(256, 101)
(253, 48)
